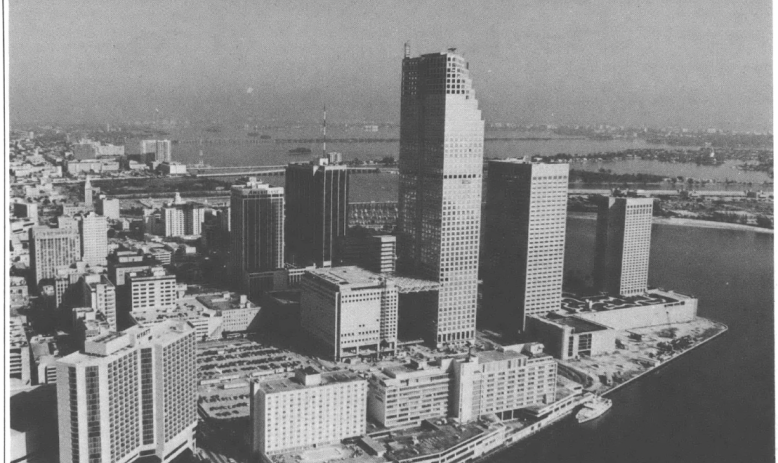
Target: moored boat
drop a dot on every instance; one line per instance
(593, 409)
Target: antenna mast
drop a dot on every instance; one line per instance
(324, 132)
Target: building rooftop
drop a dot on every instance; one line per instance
(291, 384)
(225, 301)
(574, 304)
(348, 275)
(579, 325)
(430, 439)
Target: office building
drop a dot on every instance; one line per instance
(503, 382)
(153, 288)
(100, 294)
(88, 191)
(93, 230)
(128, 395)
(350, 311)
(441, 168)
(109, 208)
(181, 218)
(159, 150)
(309, 410)
(377, 253)
(316, 212)
(24, 209)
(257, 230)
(18, 351)
(623, 245)
(406, 395)
(123, 262)
(524, 241)
(52, 248)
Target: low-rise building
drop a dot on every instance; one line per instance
(569, 337)
(154, 288)
(18, 292)
(350, 311)
(18, 351)
(311, 409)
(404, 396)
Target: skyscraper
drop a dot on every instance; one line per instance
(160, 148)
(441, 166)
(524, 241)
(93, 229)
(316, 212)
(257, 230)
(88, 191)
(52, 248)
(129, 395)
(182, 218)
(623, 245)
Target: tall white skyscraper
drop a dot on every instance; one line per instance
(93, 229)
(441, 168)
(524, 241)
(129, 395)
(623, 245)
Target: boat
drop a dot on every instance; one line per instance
(300, 151)
(593, 409)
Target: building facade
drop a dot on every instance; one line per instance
(503, 382)
(93, 229)
(350, 311)
(129, 395)
(524, 241)
(313, 408)
(441, 169)
(154, 288)
(100, 294)
(316, 212)
(623, 245)
(52, 248)
(404, 396)
(257, 229)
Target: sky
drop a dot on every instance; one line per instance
(688, 63)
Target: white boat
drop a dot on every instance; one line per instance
(593, 409)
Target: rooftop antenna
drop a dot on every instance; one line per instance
(324, 132)
(407, 49)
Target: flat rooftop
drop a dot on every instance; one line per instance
(349, 274)
(290, 384)
(429, 439)
(572, 303)
(579, 325)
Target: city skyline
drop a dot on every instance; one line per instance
(649, 64)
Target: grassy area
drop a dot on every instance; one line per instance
(160, 185)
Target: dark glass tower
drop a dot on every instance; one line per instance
(316, 212)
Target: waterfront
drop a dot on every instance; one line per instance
(713, 404)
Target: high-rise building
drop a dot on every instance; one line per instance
(93, 229)
(181, 218)
(377, 253)
(623, 245)
(316, 212)
(524, 241)
(128, 395)
(88, 191)
(109, 208)
(257, 230)
(502, 382)
(100, 294)
(311, 409)
(160, 149)
(350, 311)
(52, 248)
(441, 169)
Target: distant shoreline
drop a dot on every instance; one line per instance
(681, 222)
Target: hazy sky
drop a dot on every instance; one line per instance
(694, 63)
